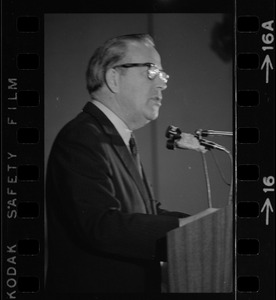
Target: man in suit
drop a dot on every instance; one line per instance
(103, 221)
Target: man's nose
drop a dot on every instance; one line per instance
(160, 83)
(159, 95)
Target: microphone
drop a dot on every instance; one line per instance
(173, 133)
(201, 132)
(211, 145)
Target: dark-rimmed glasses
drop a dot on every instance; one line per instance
(153, 71)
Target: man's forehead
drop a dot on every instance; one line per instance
(143, 52)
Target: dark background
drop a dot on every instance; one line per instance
(196, 52)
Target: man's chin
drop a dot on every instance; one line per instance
(154, 114)
(152, 117)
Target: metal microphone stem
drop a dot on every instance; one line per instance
(223, 133)
(204, 133)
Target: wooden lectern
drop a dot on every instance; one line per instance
(200, 253)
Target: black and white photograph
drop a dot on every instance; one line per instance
(139, 153)
(138, 149)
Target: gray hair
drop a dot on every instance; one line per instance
(111, 52)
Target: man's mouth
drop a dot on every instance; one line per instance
(157, 100)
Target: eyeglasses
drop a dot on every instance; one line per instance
(153, 71)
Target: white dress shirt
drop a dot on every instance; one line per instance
(118, 123)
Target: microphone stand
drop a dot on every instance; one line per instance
(230, 197)
(199, 134)
(173, 133)
(208, 186)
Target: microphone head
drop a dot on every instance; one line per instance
(173, 132)
(201, 133)
(170, 144)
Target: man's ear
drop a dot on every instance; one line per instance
(112, 80)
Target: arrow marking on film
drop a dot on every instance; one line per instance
(267, 64)
(267, 206)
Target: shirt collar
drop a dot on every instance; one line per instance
(119, 124)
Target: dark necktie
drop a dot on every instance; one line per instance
(135, 154)
(136, 158)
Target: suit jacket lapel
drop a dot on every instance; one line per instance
(121, 150)
(150, 193)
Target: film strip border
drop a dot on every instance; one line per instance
(255, 123)
(23, 154)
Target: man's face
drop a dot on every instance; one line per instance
(140, 97)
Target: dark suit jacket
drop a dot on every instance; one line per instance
(102, 220)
